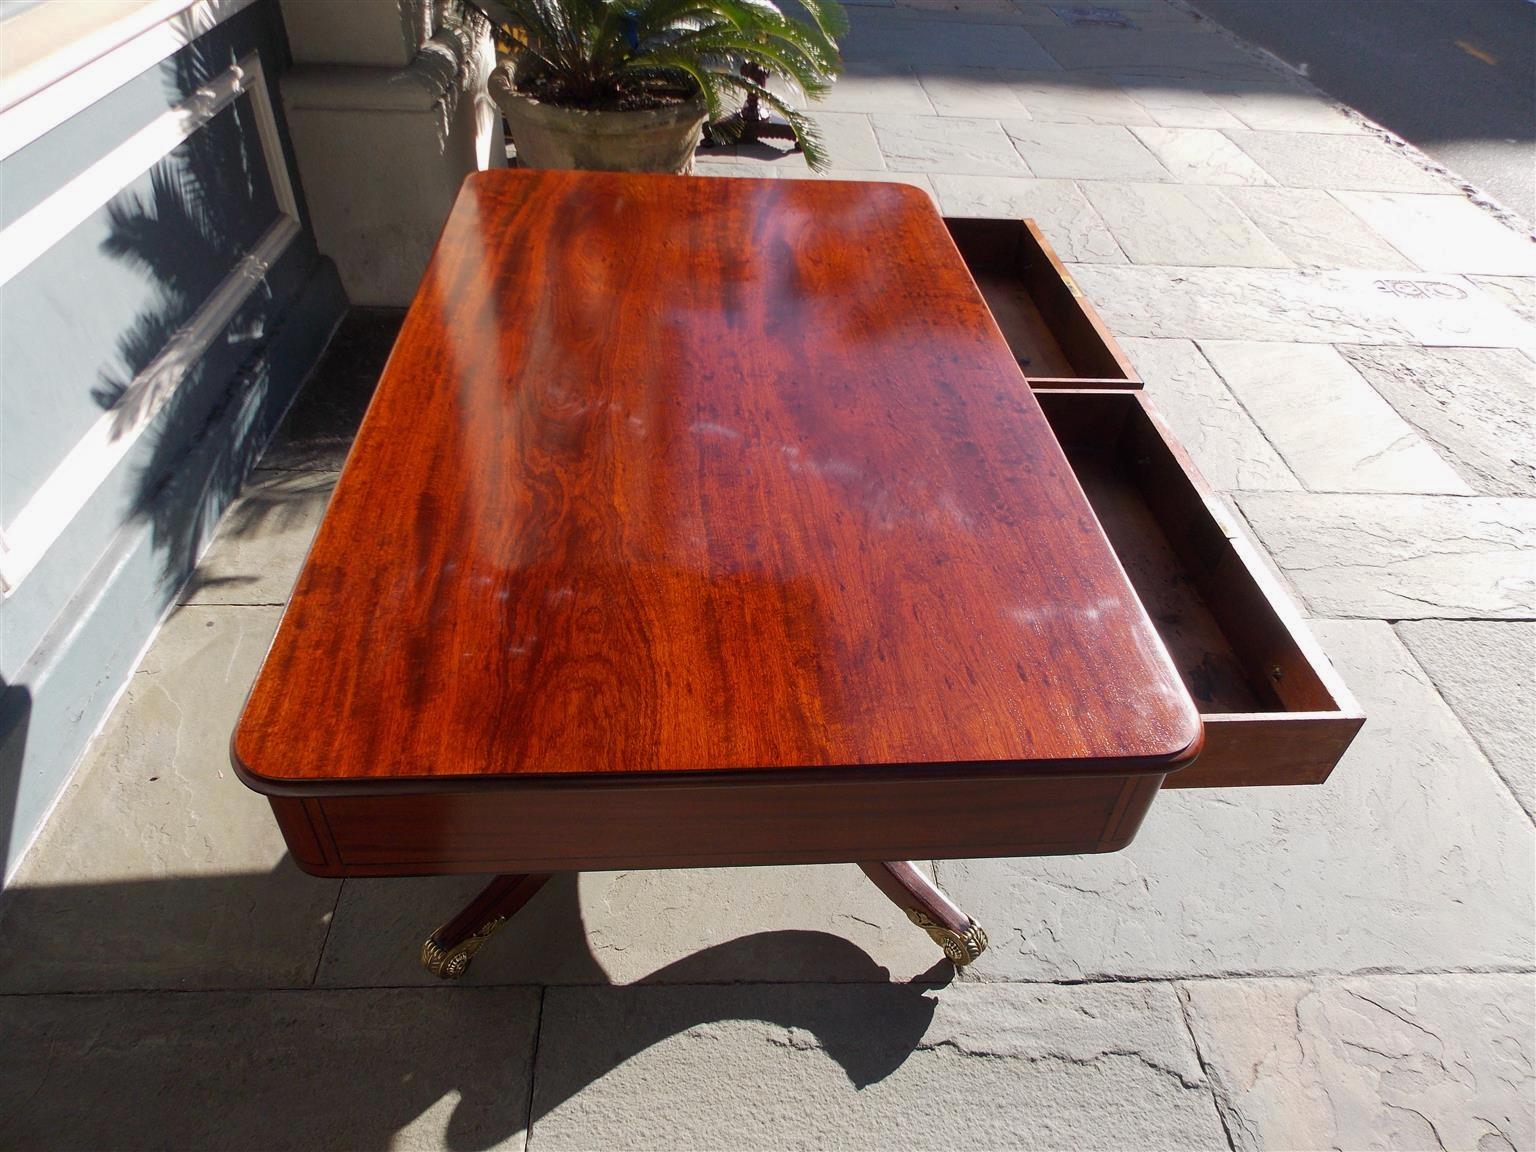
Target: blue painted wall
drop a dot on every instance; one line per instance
(76, 327)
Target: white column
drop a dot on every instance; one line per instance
(387, 107)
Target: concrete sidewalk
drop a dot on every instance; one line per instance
(1342, 339)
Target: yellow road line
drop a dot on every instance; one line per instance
(1474, 50)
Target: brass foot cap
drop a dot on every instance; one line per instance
(960, 947)
(451, 963)
(444, 963)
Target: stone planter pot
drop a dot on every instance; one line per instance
(549, 136)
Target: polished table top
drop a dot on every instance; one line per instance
(673, 474)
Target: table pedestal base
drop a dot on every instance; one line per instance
(449, 950)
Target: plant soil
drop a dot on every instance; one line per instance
(612, 97)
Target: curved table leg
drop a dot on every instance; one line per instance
(449, 950)
(935, 913)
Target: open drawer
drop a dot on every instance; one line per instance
(1275, 711)
(1055, 334)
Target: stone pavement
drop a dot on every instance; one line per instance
(1341, 337)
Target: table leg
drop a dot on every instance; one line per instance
(449, 950)
(935, 913)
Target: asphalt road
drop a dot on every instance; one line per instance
(1457, 78)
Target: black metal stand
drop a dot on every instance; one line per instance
(749, 126)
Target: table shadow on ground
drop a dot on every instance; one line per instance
(178, 1025)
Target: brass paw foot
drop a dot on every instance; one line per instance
(451, 963)
(960, 947)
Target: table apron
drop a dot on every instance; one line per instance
(543, 830)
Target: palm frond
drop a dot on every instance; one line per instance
(668, 64)
(788, 38)
(779, 58)
(807, 135)
(828, 16)
(596, 53)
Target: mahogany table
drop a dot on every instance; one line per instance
(696, 522)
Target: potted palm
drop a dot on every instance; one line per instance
(627, 85)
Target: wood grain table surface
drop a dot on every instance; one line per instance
(704, 475)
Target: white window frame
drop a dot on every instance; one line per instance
(34, 529)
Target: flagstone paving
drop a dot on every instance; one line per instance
(1159, 223)
(1337, 433)
(1401, 557)
(374, 1068)
(818, 1066)
(1201, 156)
(1516, 293)
(1442, 233)
(1316, 231)
(1283, 305)
(1414, 857)
(1207, 419)
(1474, 404)
(1077, 231)
(1344, 343)
(1383, 1062)
(1084, 151)
(1486, 670)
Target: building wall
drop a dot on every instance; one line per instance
(161, 300)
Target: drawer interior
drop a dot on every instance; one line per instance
(1055, 334)
(1275, 711)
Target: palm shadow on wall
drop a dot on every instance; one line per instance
(206, 206)
(182, 229)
